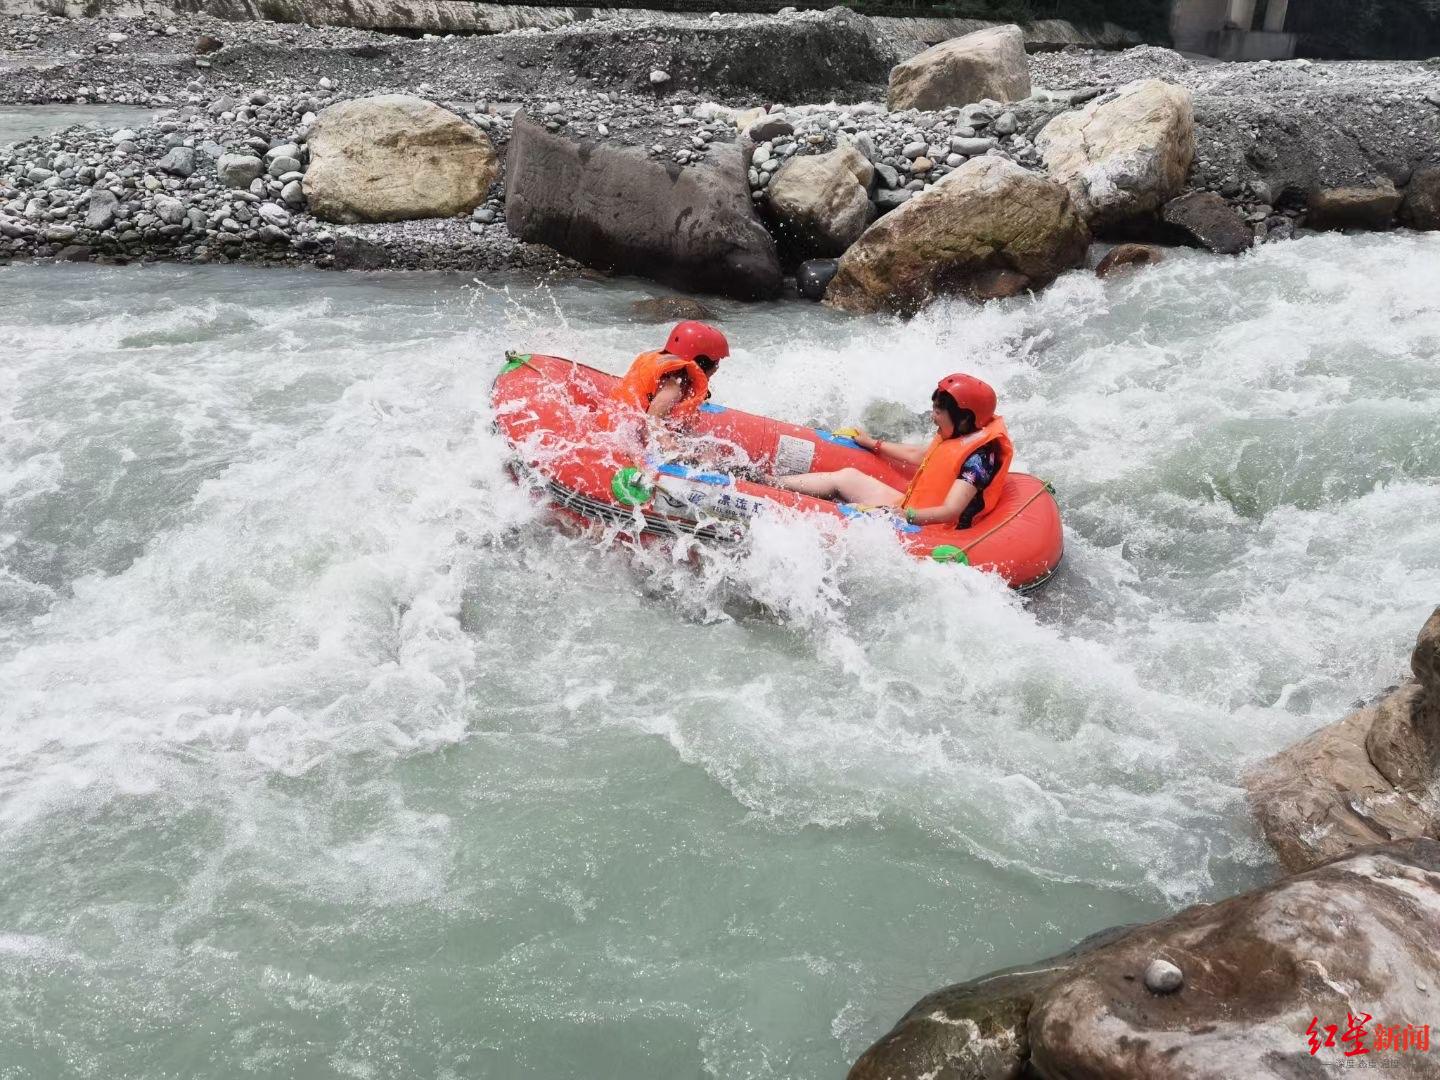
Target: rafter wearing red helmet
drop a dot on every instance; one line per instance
(674, 381)
(957, 473)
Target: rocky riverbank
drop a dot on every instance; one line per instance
(775, 104)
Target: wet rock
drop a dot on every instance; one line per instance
(1123, 156)
(989, 63)
(1354, 933)
(998, 284)
(393, 157)
(813, 276)
(659, 309)
(989, 214)
(769, 129)
(1421, 208)
(1203, 219)
(616, 209)
(74, 253)
(208, 43)
(1128, 256)
(238, 170)
(359, 253)
(820, 204)
(1362, 780)
(1369, 207)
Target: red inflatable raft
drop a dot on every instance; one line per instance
(553, 413)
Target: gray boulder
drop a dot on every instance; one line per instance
(179, 161)
(989, 63)
(616, 209)
(238, 170)
(100, 210)
(813, 276)
(1204, 219)
(1356, 934)
(169, 210)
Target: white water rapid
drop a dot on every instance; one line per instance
(322, 753)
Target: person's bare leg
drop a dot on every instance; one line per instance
(845, 485)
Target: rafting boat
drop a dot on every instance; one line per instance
(555, 414)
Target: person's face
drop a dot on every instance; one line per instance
(943, 423)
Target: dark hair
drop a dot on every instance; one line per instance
(963, 419)
(705, 364)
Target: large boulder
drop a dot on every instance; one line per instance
(1354, 936)
(1362, 780)
(1123, 155)
(987, 215)
(1421, 208)
(989, 63)
(1371, 206)
(392, 157)
(819, 204)
(617, 209)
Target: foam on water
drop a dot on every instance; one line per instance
(307, 709)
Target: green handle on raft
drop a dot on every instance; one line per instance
(950, 553)
(628, 488)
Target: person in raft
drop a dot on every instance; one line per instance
(967, 461)
(672, 383)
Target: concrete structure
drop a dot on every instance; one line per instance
(1233, 29)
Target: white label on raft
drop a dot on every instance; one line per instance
(793, 455)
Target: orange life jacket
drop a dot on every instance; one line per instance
(940, 468)
(642, 381)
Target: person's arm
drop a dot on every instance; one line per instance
(903, 452)
(670, 394)
(948, 512)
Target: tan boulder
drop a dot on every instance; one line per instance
(1421, 208)
(989, 63)
(1362, 780)
(819, 204)
(1370, 207)
(1246, 976)
(987, 215)
(1128, 256)
(392, 157)
(1123, 156)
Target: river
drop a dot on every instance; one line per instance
(322, 753)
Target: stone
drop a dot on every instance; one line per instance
(1128, 256)
(100, 209)
(270, 233)
(913, 150)
(1163, 977)
(988, 214)
(1361, 780)
(887, 175)
(359, 253)
(989, 63)
(283, 150)
(274, 215)
(59, 234)
(180, 161)
(659, 77)
(292, 194)
(74, 253)
(1006, 124)
(888, 200)
(208, 43)
(971, 147)
(393, 157)
(1421, 207)
(769, 129)
(1370, 207)
(819, 204)
(1350, 934)
(282, 166)
(169, 210)
(1203, 219)
(617, 210)
(813, 276)
(1123, 156)
(998, 283)
(661, 309)
(238, 170)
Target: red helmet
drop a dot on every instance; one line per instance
(690, 339)
(971, 393)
